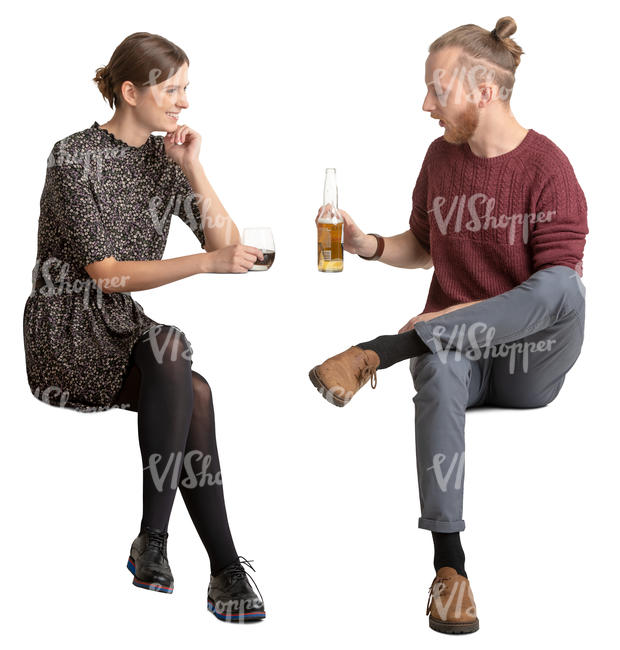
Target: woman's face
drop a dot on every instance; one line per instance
(160, 104)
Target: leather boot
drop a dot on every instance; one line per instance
(340, 377)
(231, 597)
(451, 603)
(148, 561)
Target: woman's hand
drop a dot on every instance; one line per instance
(353, 239)
(186, 153)
(237, 258)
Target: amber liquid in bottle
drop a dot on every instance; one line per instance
(329, 224)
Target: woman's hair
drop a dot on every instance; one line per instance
(142, 58)
(493, 54)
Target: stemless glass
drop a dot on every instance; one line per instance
(260, 238)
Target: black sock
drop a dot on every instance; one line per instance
(449, 552)
(393, 348)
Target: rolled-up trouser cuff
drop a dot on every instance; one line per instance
(425, 332)
(441, 526)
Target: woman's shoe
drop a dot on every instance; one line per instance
(451, 603)
(231, 597)
(341, 376)
(148, 561)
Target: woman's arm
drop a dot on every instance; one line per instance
(115, 276)
(219, 229)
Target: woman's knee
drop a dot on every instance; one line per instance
(202, 390)
(165, 345)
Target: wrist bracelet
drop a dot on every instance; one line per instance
(380, 247)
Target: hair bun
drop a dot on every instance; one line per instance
(103, 79)
(102, 74)
(504, 28)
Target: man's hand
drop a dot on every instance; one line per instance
(419, 318)
(434, 314)
(353, 239)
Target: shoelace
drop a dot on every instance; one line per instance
(237, 572)
(438, 580)
(156, 540)
(368, 370)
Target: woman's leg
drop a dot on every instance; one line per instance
(165, 403)
(199, 473)
(230, 596)
(201, 480)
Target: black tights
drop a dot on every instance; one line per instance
(176, 432)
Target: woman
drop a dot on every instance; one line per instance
(109, 194)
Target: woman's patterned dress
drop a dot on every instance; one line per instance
(102, 198)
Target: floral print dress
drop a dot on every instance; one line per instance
(102, 197)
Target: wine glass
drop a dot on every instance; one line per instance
(260, 238)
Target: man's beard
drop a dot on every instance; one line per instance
(463, 129)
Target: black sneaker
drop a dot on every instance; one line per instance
(231, 597)
(148, 561)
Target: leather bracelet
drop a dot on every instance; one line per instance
(380, 247)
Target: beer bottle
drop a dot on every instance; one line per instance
(329, 224)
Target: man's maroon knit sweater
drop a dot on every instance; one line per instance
(490, 223)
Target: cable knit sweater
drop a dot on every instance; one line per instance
(489, 223)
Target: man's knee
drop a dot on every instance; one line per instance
(443, 371)
(566, 281)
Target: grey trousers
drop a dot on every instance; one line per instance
(512, 350)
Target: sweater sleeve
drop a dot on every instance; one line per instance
(418, 221)
(186, 207)
(559, 231)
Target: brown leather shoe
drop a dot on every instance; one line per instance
(452, 610)
(341, 376)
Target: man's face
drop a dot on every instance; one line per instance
(447, 96)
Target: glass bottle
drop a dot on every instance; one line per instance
(329, 225)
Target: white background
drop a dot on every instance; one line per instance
(323, 500)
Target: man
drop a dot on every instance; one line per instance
(498, 212)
